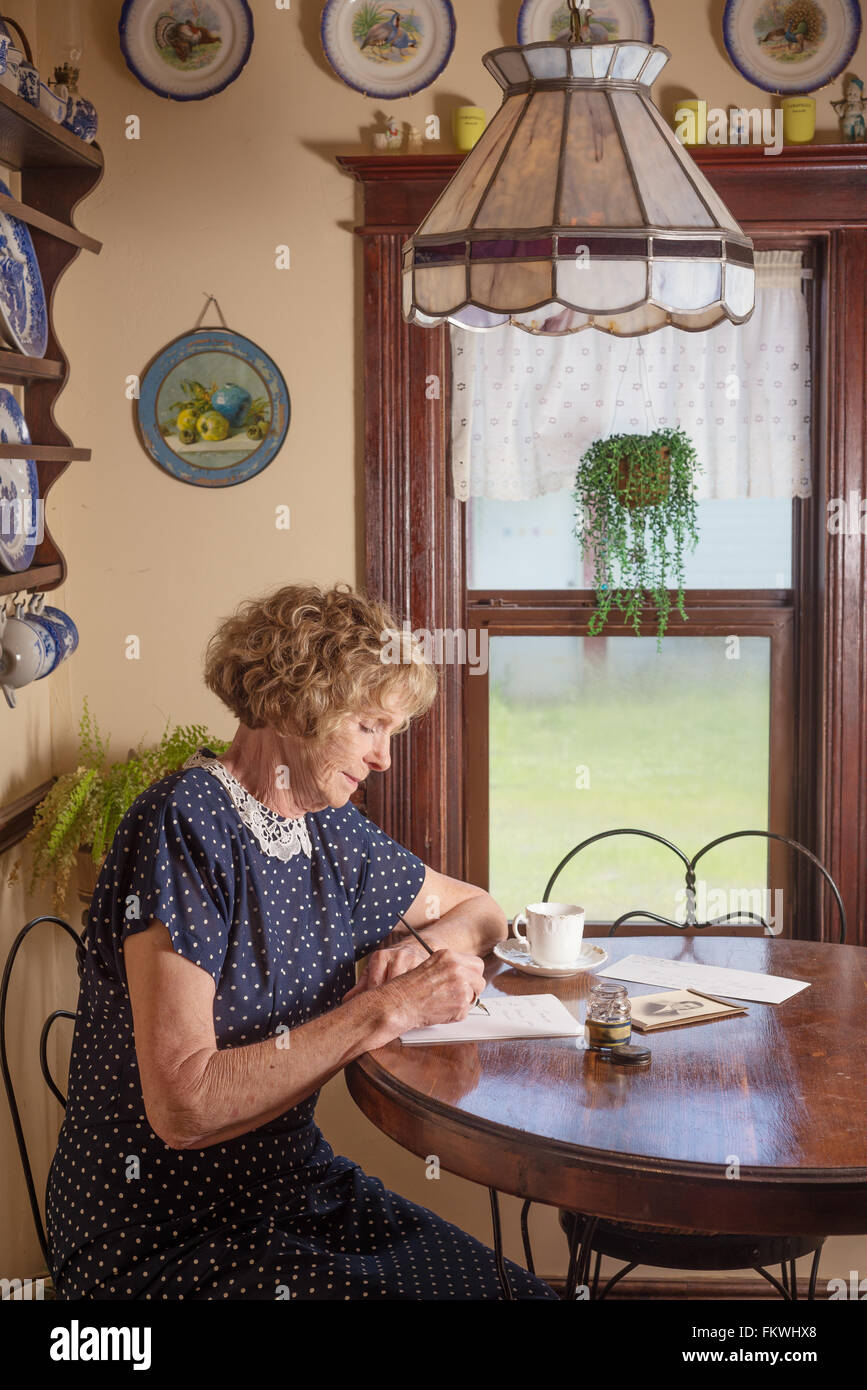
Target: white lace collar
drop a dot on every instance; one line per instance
(280, 836)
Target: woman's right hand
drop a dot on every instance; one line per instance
(442, 989)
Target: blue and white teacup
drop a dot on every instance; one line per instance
(14, 59)
(29, 83)
(5, 45)
(27, 653)
(59, 624)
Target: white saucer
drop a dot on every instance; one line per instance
(516, 954)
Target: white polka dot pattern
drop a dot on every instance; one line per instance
(273, 1213)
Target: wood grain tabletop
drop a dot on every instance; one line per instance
(752, 1124)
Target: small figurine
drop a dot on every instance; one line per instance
(851, 109)
(414, 141)
(394, 134)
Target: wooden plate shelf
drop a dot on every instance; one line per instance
(57, 171)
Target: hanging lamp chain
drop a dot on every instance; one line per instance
(579, 16)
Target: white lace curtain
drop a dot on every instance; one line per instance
(525, 408)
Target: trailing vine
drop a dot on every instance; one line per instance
(636, 515)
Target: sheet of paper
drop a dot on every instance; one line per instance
(524, 1016)
(713, 979)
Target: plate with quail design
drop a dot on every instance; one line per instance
(544, 21)
(386, 50)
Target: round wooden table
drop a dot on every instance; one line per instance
(754, 1124)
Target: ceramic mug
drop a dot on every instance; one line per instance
(58, 622)
(27, 652)
(690, 120)
(799, 120)
(14, 59)
(554, 932)
(51, 104)
(468, 123)
(28, 83)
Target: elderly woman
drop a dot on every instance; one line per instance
(219, 992)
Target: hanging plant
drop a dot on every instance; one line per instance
(636, 513)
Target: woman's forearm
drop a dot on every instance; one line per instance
(221, 1094)
(474, 926)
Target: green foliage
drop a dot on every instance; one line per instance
(258, 409)
(636, 536)
(364, 19)
(84, 808)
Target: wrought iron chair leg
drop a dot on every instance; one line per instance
(793, 1280)
(498, 1246)
(595, 1289)
(784, 1278)
(615, 1279)
(525, 1236)
(586, 1252)
(580, 1251)
(814, 1270)
(571, 1281)
(771, 1280)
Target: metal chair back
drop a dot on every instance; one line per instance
(755, 919)
(43, 1058)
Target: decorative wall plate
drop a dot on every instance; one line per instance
(23, 311)
(787, 46)
(388, 51)
(540, 21)
(19, 491)
(186, 49)
(213, 409)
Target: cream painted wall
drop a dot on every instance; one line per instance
(198, 205)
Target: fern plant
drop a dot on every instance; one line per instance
(84, 808)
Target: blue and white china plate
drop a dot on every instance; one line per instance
(186, 49)
(19, 491)
(540, 21)
(797, 55)
(23, 311)
(214, 408)
(516, 954)
(388, 51)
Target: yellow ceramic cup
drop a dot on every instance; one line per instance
(690, 122)
(468, 122)
(799, 120)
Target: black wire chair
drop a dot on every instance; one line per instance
(43, 1058)
(666, 1247)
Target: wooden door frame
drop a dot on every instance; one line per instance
(414, 526)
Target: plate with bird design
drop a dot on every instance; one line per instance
(388, 51)
(791, 46)
(186, 49)
(544, 21)
(19, 492)
(23, 308)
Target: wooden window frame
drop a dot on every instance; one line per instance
(711, 614)
(414, 528)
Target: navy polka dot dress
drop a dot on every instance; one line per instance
(273, 1213)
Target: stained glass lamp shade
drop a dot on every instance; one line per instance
(578, 208)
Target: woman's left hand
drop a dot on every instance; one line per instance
(387, 963)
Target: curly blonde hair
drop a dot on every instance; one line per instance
(301, 658)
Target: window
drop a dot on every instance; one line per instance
(571, 735)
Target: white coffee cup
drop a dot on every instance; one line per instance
(554, 932)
